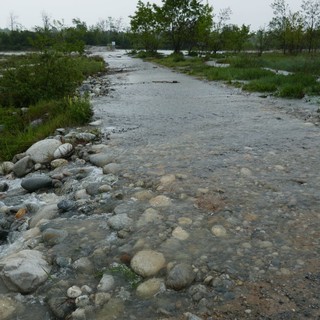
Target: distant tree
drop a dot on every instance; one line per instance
(180, 20)
(311, 17)
(235, 37)
(145, 27)
(215, 38)
(14, 25)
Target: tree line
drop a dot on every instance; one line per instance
(185, 25)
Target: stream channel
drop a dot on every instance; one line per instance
(222, 183)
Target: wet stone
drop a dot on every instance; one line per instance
(160, 201)
(219, 231)
(106, 283)
(66, 205)
(74, 292)
(149, 288)
(180, 276)
(36, 182)
(147, 262)
(54, 236)
(120, 221)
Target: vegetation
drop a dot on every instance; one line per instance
(38, 92)
(256, 73)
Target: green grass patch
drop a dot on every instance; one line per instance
(20, 128)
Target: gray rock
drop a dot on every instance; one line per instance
(6, 167)
(4, 187)
(101, 159)
(24, 271)
(43, 150)
(54, 236)
(111, 168)
(35, 183)
(47, 212)
(180, 276)
(120, 221)
(66, 205)
(23, 166)
(149, 288)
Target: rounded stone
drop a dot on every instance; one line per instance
(63, 151)
(120, 221)
(219, 231)
(180, 276)
(74, 292)
(147, 263)
(35, 183)
(160, 201)
(106, 283)
(149, 288)
(180, 234)
(43, 150)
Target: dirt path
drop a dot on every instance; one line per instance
(246, 170)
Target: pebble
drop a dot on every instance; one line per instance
(106, 283)
(219, 231)
(160, 201)
(180, 276)
(180, 234)
(74, 292)
(150, 288)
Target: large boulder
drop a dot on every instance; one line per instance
(43, 150)
(24, 271)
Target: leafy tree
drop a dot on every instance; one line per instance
(215, 38)
(145, 27)
(183, 19)
(235, 37)
(311, 17)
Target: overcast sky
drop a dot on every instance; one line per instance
(28, 13)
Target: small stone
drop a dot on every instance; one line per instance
(113, 168)
(160, 201)
(180, 234)
(82, 301)
(246, 172)
(167, 179)
(184, 221)
(4, 187)
(180, 276)
(57, 163)
(74, 292)
(79, 314)
(219, 231)
(101, 298)
(143, 195)
(36, 182)
(106, 283)
(120, 221)
(63, 151)
(149, 288)
(66, 205)
(147, 262)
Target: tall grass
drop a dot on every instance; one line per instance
(19, 130)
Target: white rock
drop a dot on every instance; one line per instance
(24, 271)
(147, 262)
(6, 167)
(58, 163)
(74, 292)
(43, 150)
(167, 179)
(106, 283)
(63, 151)
(7, 308)
(82, 301)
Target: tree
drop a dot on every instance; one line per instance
(145, 27)
(215, 40)
(13, 22)
(234, 37)
(311, 16)
(181, 19)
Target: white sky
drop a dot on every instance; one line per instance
(28, 13)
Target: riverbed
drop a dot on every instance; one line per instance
(221, 185)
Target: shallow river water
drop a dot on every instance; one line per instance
(246, 174)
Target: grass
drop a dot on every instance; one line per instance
(21, 127)
(248, 71)
(19, 131)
